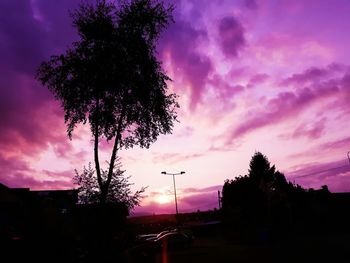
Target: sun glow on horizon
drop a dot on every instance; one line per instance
(163, 198)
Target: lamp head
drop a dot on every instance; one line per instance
(163, 172)
(182, 172)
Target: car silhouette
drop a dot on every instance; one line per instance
(173, 240)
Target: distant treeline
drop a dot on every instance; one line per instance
(263, 205)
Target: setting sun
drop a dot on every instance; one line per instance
(163, 199)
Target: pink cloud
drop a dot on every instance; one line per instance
(63, 149)
(346, 87)
(329, 147)
(203, 202)
(335, 174)
(288, 104)
(336, 143)
(31, 121)
(181, 41)
(257, 79)
(29, 118)
(187, 131)
(153, 208)
(65, 175)
(311, 131)
(193, 190)
(312, 75)
(34, 184)
(231, 36)
(17, 173)
(239, 73)
(251, 4)
(171, 158)
(224, 90)
(30, 129)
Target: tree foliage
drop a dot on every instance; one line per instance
(250, 195)
(265, 199)
(119, 190)
(111, 78)
(262, 182)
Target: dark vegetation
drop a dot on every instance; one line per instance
(283, 220)
(263, 206)
(263, 218)
(119, 189)
(112, 79)
(52, 226)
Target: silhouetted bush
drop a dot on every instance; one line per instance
(263, 206)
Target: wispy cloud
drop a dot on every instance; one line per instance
(335, 174)
(231, 36)
(171, 158)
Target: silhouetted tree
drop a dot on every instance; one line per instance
(119, 189)
(112, 79)
(264, 175)
(265, 199)
(248, 201)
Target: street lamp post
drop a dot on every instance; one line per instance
(173, 174)
(349, 156)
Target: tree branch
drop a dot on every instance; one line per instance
(115, 146)
(96, 158)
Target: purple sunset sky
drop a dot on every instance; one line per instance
(269, 76)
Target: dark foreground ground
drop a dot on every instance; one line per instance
(334, 248)
(216, 248)
(307, 248)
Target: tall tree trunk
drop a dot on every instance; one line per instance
(105, 188)
(96, 158)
